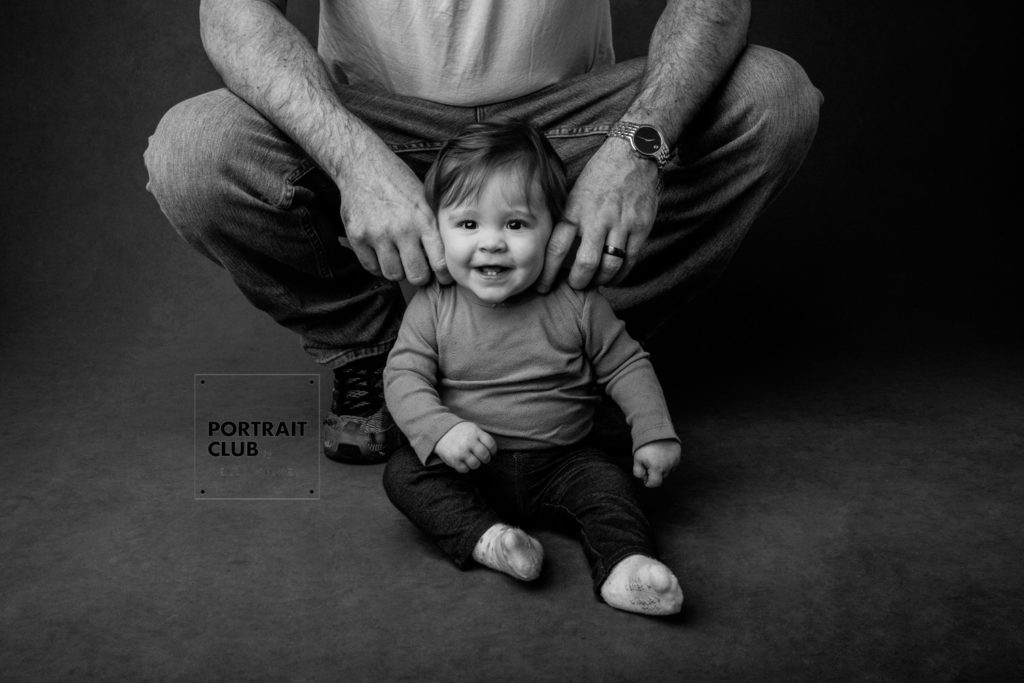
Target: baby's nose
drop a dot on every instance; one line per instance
(492, 240)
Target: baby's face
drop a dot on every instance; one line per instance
(494, 243)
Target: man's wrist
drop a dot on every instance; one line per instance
(624, 156)
(645, 139)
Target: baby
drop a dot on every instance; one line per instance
(496, 385)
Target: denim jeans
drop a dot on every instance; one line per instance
(248, 198)
(580, 485)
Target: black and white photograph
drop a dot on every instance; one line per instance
(511, 340)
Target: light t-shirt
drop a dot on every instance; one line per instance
(463, 52)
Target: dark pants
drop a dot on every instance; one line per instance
(248, 198)
(578, 484)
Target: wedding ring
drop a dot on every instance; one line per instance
(614, 251)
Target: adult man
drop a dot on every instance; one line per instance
(301, 178)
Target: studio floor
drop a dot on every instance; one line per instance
(841, 514)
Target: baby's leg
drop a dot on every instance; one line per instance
(444, 504)
(615, 533)
(510, 551)
(642, 584)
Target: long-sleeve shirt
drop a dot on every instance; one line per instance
(528, 371)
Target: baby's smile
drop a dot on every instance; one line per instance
(492, 271)
(495, 240)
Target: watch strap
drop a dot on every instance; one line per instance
(626, 130)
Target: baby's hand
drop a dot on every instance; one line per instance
(465, 447)
(654, 461)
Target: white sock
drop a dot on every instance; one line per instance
(643, 585)
(511, 551)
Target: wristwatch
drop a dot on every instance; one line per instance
(646, 140)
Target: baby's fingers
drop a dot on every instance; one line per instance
(639, 471)
(654, 478)
(650, 475)
(489, 446)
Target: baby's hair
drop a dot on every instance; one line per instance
(465, 162)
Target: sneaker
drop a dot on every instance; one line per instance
(359, 429)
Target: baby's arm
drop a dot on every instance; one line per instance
(622, 367)
(410, 378)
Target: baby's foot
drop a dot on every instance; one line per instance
(642, 584)
(510, 551)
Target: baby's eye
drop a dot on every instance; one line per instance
(466, 225)
(515, 224)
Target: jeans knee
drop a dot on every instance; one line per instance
(399, 473)
(783, 103)
(187, 161)
(391, 479)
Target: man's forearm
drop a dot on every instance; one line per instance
(694, 44)
(266, 61)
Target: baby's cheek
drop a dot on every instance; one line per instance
(535, 267)
(457, 264)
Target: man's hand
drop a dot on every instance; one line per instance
(264, 59)
(387, 221)
(614, 203)
(465, 447)
(654, 461)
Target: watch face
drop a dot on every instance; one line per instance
(647, 140)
